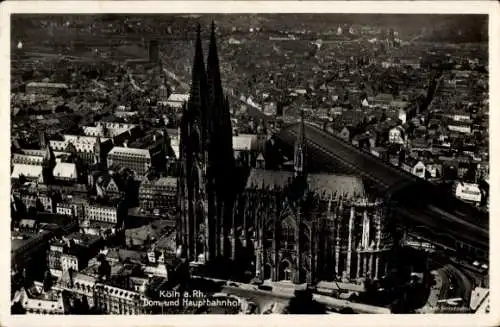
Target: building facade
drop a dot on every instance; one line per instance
(54, 255)
(116, 300)
(160, 193)
(90, 149)
(304, 227)
(138, 160)
(69, 261)
(106, 214)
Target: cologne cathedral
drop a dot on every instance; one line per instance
(294, 225)
(205, 184)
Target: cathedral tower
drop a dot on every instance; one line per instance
(206, 153)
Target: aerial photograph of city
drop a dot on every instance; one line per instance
(249, 164)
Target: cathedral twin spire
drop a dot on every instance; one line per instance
(208, 108)
(197, 104)
(206, 174)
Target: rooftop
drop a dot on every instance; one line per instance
(118, 150)
(65, 170)
(46, 84)
(83, 239)
(155, 229)
(244, 142)
(40, 153)
(323, 184)
(32, 171)
(162, 181)
(18, 158)
(178, 97)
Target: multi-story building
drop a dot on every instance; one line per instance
(54, 255)
(65, 171)
(53, 304)
(65, 208)
(102, 213)
(81, 285)
(70, 262)
(138, 160)
(31, 198)
(78, 205)
(29, 252)
(245, 148)
(89, 148)
(118, 132)
(29, 172)
(46, 88)
(176, 100)
(26, 159)
(116, 300)
(72, 252)
(158, 194)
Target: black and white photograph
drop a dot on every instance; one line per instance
(249, 163)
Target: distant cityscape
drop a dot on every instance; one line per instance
(249, 164)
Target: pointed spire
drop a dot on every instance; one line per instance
(48, 155)
(216, 95)
(43, 139)
(197, 105)
(197, 99)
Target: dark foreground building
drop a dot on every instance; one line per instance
(205, 188)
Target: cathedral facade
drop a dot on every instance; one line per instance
(285, 225)
(205, 196)
(307, 227)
